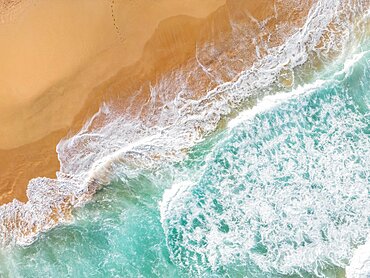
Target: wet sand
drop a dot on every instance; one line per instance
(61, 59)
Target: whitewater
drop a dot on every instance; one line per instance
(255, 179)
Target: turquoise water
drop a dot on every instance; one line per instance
(282, 194)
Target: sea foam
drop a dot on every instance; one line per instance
(360, 263)
(286, 190)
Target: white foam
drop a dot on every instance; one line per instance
(272, 101)
(172, 195)
(360, 263)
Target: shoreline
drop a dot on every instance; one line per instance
(173, 45)
(43, 111)
(175, 40)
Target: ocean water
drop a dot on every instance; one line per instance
(283, 191)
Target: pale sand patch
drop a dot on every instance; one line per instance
(100, 58)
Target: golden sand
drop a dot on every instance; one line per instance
(61, 59)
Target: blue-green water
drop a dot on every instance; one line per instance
(283, 193)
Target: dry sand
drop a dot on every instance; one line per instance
(61, 59)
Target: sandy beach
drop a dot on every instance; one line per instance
(56, 73)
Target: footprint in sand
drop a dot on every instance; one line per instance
(118, 30)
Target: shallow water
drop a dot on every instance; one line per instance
(281, 192)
